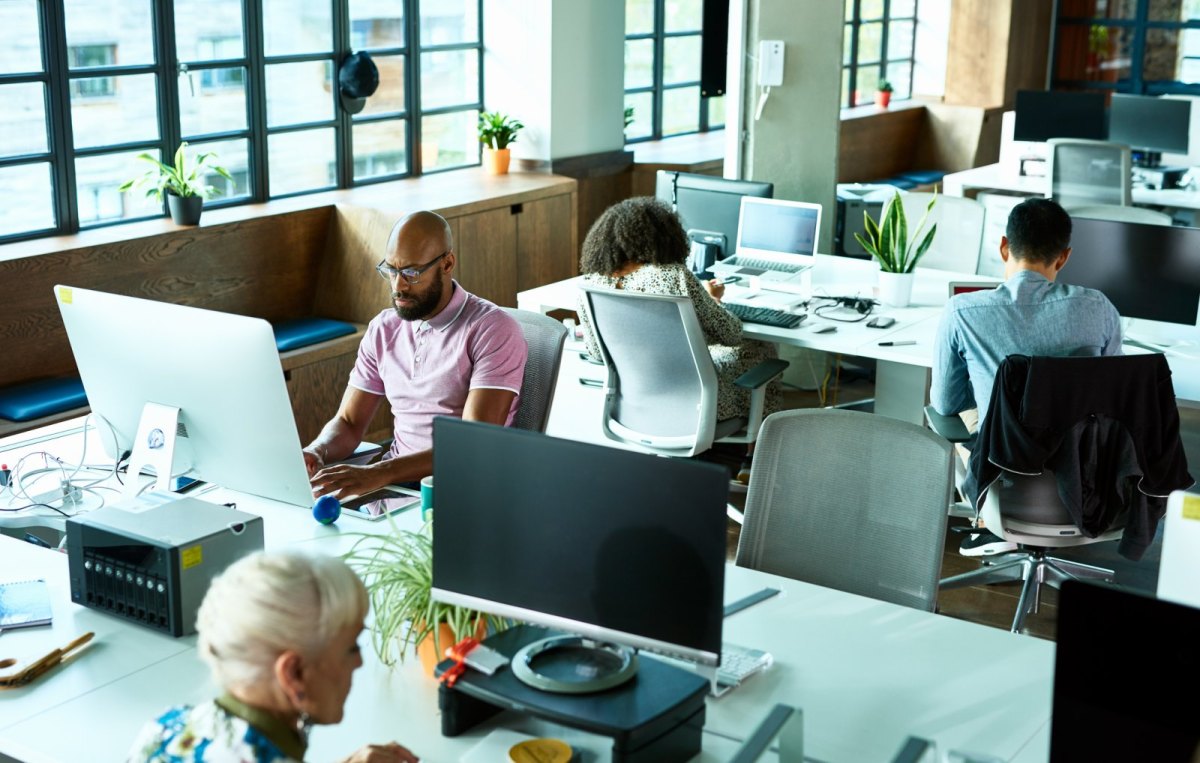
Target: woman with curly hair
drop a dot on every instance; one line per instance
(640, 245)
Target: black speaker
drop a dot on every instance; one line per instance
(714, 48)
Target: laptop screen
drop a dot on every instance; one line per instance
(775, 226)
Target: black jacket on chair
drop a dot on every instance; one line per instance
(1106, 426)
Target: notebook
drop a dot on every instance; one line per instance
(24, 604)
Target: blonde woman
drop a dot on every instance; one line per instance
(280, 632)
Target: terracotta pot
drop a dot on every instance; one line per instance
(883, 98)
(496, 160)
(185, 210)
(430, 658)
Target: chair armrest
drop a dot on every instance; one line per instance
(951, 428)
(761, 374)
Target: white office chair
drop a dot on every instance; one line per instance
(1120, 214)
(1086, 172)
(960, 230)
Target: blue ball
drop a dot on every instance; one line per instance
(327, 509)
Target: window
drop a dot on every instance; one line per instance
(662, 71)
(1128, 46)
(87, 86)
(878, 44)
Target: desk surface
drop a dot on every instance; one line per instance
(993, 177)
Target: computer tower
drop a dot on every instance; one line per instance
(853, 199)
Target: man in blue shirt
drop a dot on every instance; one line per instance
(1028, 314)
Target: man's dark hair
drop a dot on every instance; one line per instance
(641, 229)
(1038, 231)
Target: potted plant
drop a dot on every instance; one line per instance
(496, 132)
(397, 569)
(883, 94)
(182, 183)
(888, 242)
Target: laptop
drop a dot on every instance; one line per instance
(966, 287)
(776, 242)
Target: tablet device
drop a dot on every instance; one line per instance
(377, 504)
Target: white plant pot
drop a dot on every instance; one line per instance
(895, 289)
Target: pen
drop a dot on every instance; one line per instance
(897, 344)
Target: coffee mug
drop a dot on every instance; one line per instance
(426, 496)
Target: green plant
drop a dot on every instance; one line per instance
(179, 178)
(884, 86)
(497, 130)
(397, 569)
(888, 242)
(628, 115)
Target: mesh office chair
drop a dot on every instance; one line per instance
(1120, 214)
(1086, 172)
(851, 501)
(545, 338)
(959, 230)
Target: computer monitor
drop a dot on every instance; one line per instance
(777, 226)
(709, 208)
(222, 373)
(1042, 115)
(1150, 272)
(1151, 125)
(1122, 665)
(602, 542)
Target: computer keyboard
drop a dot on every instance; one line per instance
(739, 663)
(761, 263)
(765, 315)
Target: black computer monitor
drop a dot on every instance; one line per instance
(1122, 668)
(602, 542)
(709, 208)
(1150, 272)
(1042, 115)
(1151, 125)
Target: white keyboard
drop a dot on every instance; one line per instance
(760, 263)
(739, 663)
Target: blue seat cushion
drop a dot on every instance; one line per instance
(305, 331)
(32, 400)
(924, 177)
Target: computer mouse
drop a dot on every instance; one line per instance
(824, 328)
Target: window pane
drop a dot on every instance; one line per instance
(899, 73)
(1113, 9)
(1097, 53)
(642, 125)
(23, 126)
(681, 59)
(20, 42)
(864, 88)
(847, 44)
(639, 16)
(208, 29)
(449, 78)
(716, 112)
(234, 157)
(126, 27)
(902, 9)
(301, 161)
(97, 178)
(846, 100)
(379, 149)
(297, 26)
(900, 40)
(389, 98)
(849, 10)
(446, 22)
(376, 25)
(449, 140)
(109, 110)
(639, 63)
(299, 93)
(683, 16)
(870, 42)
(871, 9)
(1188, 10)
(212, 100)
(26, 203)
(681, 110)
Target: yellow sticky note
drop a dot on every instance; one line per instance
(191, 557)
(1191, 506)
(65, 295)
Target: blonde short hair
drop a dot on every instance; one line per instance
(272, 602)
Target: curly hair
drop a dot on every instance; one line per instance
(641, 229)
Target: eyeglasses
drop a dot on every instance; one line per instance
(410, 275)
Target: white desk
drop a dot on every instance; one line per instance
(993, 177)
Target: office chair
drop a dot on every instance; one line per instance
(1086, 172)
(545, 338)
(851, 501)
(959, 230)
(1120, 214)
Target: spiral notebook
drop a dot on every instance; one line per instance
(24, 604)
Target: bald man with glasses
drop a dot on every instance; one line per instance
(438, 351)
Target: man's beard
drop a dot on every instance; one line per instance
(424, 305)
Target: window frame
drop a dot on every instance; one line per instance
(855, 23)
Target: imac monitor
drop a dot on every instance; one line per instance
(1042, 115)
(709, 208)
(1150, 124)
(606, 543)
(778, 227)
(1151, 272)
(221, 371)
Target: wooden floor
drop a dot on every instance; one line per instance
(994, 605)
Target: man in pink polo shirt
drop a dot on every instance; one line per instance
(439, 352)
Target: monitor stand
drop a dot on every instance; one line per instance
(574, 665)
(161, 444)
